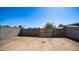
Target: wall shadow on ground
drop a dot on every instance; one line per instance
(73, 39)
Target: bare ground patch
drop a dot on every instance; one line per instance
(38, 44)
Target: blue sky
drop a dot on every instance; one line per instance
(38, 16)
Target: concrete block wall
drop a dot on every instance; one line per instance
(8, 32)
(42, 32)
(36, 32)
(58, 32)
(46, 33)
(29, 32)
(72, 32)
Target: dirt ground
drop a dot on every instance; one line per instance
(38, 44)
